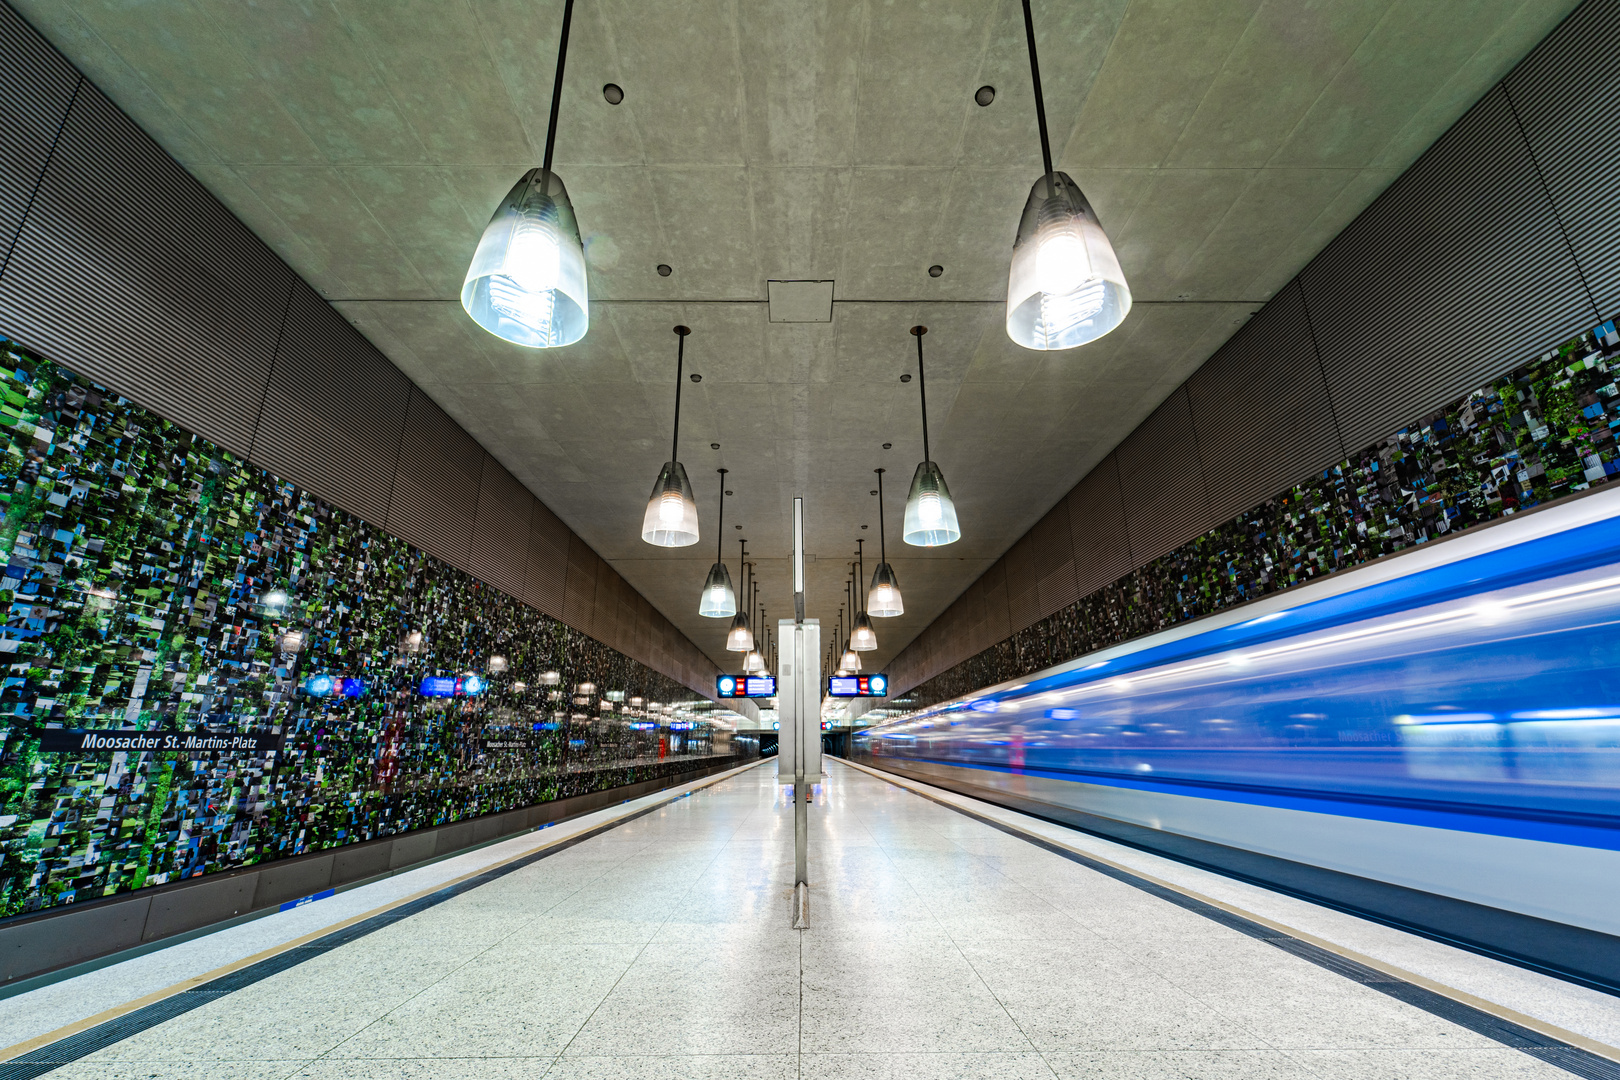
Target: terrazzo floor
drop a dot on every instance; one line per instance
(938, 947)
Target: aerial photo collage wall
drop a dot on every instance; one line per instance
(1544, 430)
(154, 581)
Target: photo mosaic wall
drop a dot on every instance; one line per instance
(1542, 431)
(205, 667)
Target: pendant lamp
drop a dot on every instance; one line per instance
(719, 598)
(1065, 287)
(930, 514)
(671, 518)
(883, 598)
(851, 661)
(526, 283)
(862, 638)
(842, 668)
(753, 662)
(739, 638)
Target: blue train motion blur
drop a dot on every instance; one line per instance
(1446, 719)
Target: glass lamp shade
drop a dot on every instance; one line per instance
(930, 514)
(863, 638)
(753, 663)
(883, 598)
(1066, 287)
(526, 283)
(739, 638)
(719, 598)
(851, 663)
(671, 519)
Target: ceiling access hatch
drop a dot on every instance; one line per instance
(800, 301)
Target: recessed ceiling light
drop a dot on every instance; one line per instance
(936, 270)
(696, 377)
(984, 95)
(615, 94)
(664, 270)
(888, 446)
(872, 492)
(905, 378)
(714, 446)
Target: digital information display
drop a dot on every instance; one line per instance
(857, 686)
(447, 686)
(332, 685)
(734, 686)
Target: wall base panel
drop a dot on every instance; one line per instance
(94, 933)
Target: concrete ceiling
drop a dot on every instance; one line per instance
(1223, 143)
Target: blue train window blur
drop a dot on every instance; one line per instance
(1484, 688)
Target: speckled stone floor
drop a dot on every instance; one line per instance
(939, 947)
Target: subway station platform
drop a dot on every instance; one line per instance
(947, 938)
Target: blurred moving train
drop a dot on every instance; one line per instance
(1432, 739)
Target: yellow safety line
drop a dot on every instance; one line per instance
(29, 1045)
(1501, 1012)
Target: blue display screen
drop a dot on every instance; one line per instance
(751, 686)
(452, 686)
(438, 686)
(857, 686)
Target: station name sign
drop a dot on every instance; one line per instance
(133, 740)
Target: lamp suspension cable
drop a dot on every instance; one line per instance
(1040, 99)
(720, 526)
(922, 388)
(852, 659)
(562, 61)
(680, 367)
(860, 572)
(883, 540)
